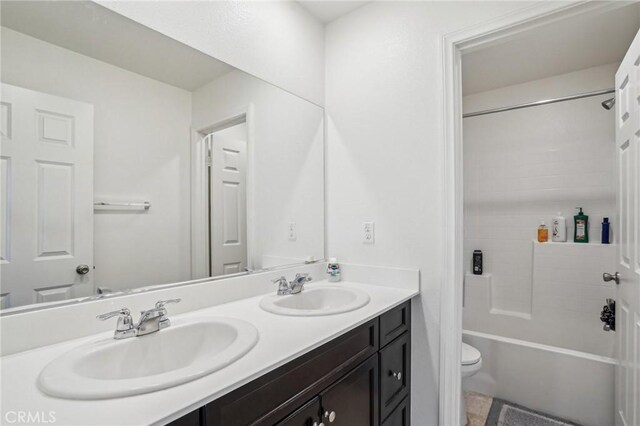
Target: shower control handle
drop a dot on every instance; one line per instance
(606, 277)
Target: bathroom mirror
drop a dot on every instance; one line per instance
(130, 160)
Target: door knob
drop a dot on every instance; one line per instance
(608, 277)
(83, 269)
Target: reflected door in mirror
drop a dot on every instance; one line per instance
(47, 197)
(228, 200)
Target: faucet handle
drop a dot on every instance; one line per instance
(161, 303)
(122, 312)
(282, 279)
(124, 328)
(303, 278)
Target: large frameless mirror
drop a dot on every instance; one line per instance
(130, 160)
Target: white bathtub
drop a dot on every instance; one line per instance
(574, 385)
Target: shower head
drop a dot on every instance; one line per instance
(609, 103)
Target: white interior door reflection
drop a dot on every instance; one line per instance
(47, 197)
(227, 160)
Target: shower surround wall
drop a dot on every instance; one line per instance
(521, 167)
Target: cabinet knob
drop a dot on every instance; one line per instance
(317, 424)
(396, 375)
(330, 415)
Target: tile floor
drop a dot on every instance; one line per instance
(478, 407)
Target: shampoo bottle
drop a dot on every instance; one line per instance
(606, 231)
(559, 229)
(581, 227)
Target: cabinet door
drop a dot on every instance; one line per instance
(400, 416)
(307, 415)
(395, 361)
(353, 400)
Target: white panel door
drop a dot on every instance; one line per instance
(228, 204)
(46, 168)
(628, 291)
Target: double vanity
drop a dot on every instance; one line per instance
(330, 353)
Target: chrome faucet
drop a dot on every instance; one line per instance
(293, 287)
(150, 321)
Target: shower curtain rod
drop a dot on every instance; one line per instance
(539, 103)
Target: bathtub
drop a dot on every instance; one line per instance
(573, 385)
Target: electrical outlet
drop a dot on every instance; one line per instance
(368, 232)
(291, 231)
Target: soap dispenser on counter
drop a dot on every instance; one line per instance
(333, 269)
(581, 227)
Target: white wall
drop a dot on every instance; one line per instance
(383, 100)
(286, 164)
(278, 41)
(521, 167)
(141, 152)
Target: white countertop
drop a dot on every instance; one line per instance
(282, 339)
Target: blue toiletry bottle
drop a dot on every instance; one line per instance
(605, 231)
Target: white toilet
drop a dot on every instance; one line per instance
(471, 364)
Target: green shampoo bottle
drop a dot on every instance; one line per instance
(581, 227)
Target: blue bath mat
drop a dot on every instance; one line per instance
(504, 413)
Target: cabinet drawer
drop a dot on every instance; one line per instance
(394, 323)
(401, 416)
(395, 372)
(307, 415)
(273, 396)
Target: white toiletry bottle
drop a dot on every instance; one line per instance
(333, 269)
(559, 229)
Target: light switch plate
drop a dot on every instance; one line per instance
(291, 231)
(368, 232)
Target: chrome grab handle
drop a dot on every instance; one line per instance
(161, 303)
(330, 415)
(124, 312)
(606, 277)
(397, 376)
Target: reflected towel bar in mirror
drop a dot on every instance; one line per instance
(108, 205)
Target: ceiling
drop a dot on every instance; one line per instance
(557, 48)
(92, 30)
(328, 10)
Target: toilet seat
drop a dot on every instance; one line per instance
(470, 355)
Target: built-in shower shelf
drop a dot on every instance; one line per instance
(571, 243)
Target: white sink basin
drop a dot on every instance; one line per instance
(114, 368)
(322, 300)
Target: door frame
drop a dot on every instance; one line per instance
(200, 191)
(452, 46)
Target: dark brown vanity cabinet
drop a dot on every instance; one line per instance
(361, 378)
